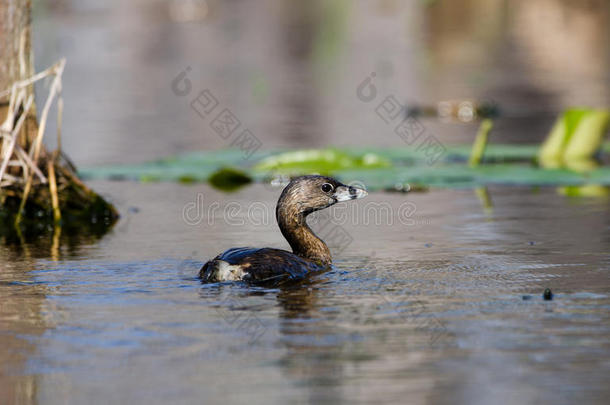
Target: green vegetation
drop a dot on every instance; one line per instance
(480, 142)
(575, 138)
(378, 168)
(324, 161)
(566, 159)
(229, 179)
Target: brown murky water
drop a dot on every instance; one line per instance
(435, 298)
(430, 308)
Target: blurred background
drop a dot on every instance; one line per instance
(123, 319)
(289, 70)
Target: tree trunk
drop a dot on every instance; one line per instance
(16, 59)
(15, 52)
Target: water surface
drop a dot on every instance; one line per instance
(445, 308)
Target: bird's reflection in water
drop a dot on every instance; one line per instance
(306, 328)
(308, 333)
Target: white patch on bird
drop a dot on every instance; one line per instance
(227, 272)
(343, 194)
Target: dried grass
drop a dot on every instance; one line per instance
(34, 172)
(20, 104)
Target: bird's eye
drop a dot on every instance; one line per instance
(327, 188)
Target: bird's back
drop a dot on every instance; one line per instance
(258, 266)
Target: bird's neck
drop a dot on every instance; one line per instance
(302, 240)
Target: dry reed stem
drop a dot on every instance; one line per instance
(53, 190)
(26, 82)
(26, 191)
(8, 152)
(19, 106)
(60, 113)
(55, 88)
(30, 164)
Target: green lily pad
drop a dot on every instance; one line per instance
(378, 168)
(323, 161)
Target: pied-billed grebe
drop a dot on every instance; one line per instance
(300, 197)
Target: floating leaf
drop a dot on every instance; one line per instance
(323, 161)
(379, 168)
(229, 179)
